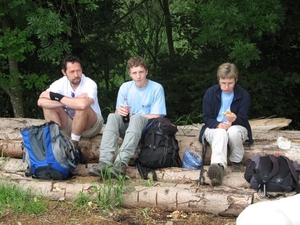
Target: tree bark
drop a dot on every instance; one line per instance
(168, 25)
(13, 86)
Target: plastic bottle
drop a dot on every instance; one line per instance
(126, 118)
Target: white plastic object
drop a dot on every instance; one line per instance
(284, 143)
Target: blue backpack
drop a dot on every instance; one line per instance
(48, 152)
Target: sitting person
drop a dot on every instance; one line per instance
(72, 102)
(225, 115)
(140, 98)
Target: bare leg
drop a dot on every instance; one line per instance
(58, 115)
(83, 120)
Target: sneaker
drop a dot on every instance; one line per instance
(237, 167)
(118, 169)
(215, 174)
(99, 170)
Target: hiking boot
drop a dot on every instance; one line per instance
(237, 167)
(215, 174)
(99, 170)
(118, 169)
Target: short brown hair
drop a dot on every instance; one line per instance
(136, 61)
(227, 70)
(70, 59)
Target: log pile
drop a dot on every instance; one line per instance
(265, 134)
(177, 188)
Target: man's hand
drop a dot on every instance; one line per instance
(224, 125)
(231, 117)
(123, 110)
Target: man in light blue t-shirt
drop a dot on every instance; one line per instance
(141, 99)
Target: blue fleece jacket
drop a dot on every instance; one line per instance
(239, 106)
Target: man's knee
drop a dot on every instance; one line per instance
(235, 133)
(215, 134)
(137, 123)
(112, 119)
(138, 119)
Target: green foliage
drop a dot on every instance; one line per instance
(45, 23)
(35, 81)
(236, 26)
(259, 36)
(48, 26)
(12, 197)
(14, 43)
(241, 52)
(90, 4)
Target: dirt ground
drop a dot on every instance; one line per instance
(64, 213)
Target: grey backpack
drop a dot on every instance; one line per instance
(48, 152)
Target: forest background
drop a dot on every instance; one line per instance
(184, 42)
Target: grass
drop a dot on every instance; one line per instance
(107, 194)
(12, 197)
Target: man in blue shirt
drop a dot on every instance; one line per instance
(142, 99)
(225, 115)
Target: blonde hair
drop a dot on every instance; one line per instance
(227, 70)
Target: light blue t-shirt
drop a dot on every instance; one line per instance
(226, 100)
(146, 100)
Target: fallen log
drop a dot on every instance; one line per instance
(265, 134)
(170, 195)
(178, 189)
(170, 175)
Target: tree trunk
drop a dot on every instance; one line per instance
(13, 86)
(15, 91)
(168, 25)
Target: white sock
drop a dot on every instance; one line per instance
(75, 137)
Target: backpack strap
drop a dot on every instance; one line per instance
(275, 169)
(264, 179)
(143, 171)
(294, 173)
(176, 158)
(149, 125)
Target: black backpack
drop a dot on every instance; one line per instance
(159, 147)
(272, 173)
